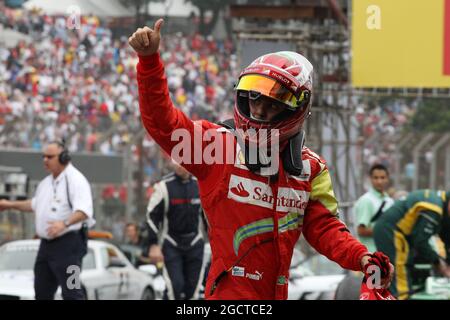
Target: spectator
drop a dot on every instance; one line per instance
(136, 242)
(372, 204)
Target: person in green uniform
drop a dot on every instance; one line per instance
(371, 204)
(406, 228)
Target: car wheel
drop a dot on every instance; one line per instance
(148, 294)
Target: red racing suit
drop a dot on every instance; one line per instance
(254, 222)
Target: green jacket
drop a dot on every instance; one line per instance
(418, 217)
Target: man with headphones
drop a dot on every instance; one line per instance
(63, 207)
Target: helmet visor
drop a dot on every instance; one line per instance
(270, 88)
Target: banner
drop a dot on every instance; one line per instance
(401, 43)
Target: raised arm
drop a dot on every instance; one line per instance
(161, 119)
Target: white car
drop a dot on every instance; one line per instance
(106, 273)
(313, 278)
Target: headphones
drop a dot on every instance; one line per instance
(64, 157)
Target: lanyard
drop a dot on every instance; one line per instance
(55, 186)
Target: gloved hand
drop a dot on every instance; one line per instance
(371, 264)
(378, 262)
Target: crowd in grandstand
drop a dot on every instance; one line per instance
(80, 84)
(382, 123)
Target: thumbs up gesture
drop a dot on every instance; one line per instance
(145, 41)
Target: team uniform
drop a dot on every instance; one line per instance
(254, 220)
(405, 228)
(174, 216)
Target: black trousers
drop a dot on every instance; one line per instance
(183, 270)
(58, 263)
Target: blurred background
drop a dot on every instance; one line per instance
(381, 90)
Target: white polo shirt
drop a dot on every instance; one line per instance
(54, 195)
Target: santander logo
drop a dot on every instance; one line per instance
(260, 194)
(240, 191)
